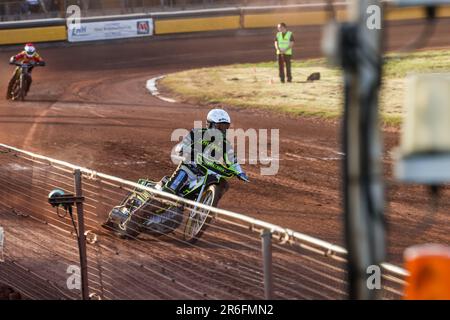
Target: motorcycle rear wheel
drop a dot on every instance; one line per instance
(133, 227)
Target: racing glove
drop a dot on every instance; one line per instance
(242, 176)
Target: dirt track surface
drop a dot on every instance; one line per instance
(89, 106)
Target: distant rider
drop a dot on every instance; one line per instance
(196, 147)
(27, 56)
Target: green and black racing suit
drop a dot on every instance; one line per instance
(202, 147)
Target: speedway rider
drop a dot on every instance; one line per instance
(196, 146)
(27, 56)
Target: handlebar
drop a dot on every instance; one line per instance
(243, 177)
(22, 64)
(33, 64)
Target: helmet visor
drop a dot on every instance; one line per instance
(223, 126)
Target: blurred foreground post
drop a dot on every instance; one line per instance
(356, 46)
(363, 174)
(424, 153)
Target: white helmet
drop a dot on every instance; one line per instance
(30, 50)
(218, 116)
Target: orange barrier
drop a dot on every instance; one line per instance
(196, 24)
(429, 268)
(38, 34)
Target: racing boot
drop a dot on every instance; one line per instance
(29, 81)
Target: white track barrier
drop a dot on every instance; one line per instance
(152, 88)
(225, 263)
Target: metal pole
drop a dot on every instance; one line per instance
(363, 190)
(241, 19)
(266, 237)
(81, 237)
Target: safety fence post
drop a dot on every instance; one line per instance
(266, 237)
(81, 236)
(241, 18)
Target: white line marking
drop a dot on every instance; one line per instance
(151, 86)
(167, 99)
(313, 158)
(15, 167)
(31, 132)
(98, 114)
(95, 113)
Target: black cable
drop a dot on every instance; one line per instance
(73, 223)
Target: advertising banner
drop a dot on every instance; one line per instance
(105, 30)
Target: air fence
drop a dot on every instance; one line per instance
(237, 257)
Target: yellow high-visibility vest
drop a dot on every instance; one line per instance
(283, 42)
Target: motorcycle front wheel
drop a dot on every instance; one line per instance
(15, 90)
(198, 218)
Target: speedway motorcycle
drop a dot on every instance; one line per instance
(142, 212)
(20, 86)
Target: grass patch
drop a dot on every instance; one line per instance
(258, 86)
